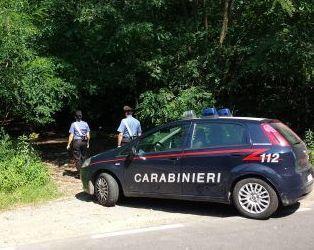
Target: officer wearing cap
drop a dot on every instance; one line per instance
(129, 128)
(80, 136)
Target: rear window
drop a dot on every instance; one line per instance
(218, 135)
(284, 130)
(257, 134)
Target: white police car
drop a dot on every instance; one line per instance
(254, 163)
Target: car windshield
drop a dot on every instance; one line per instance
(163, 140)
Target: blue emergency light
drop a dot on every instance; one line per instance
(209, 112)
(224, 112)
(212, 112)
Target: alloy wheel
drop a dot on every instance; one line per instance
(102, 189)
(254, 198)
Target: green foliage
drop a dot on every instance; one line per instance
(100, 51)
(286, 5)
(42, 92)
(30, 88)
(125, 48)
(166, 105)
(309, 139)
(28, 194)
(22, 173)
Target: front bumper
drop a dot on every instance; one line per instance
(87, 182)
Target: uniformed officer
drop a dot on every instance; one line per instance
(129, 128)
(80, 136)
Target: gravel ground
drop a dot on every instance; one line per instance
(81, 216)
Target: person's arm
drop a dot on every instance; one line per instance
(88, 138)
(139, 130)
(71, 136)
(88, 135)
(120, 137)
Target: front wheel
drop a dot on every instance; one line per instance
(106, 190)
(254, 198)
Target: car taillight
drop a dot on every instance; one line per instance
(273, 135)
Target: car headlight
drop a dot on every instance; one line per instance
(86, 163)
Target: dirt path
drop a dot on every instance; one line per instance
(57, 159)
(53, 151)
(66, 178)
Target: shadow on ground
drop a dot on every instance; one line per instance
(171, 206)
(286, 211)
(187, 207)
(72, 173)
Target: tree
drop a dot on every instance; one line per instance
(253, 56)
(166, 105)
(30, 88)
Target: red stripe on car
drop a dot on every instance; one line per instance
(253, 156)
(256, 155)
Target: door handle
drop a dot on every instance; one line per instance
(236, 154)
(173, 159)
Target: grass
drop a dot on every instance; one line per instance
(29, 194)
(24, 178)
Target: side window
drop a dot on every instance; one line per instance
(165, 139)
(216, 135)
(125, 151)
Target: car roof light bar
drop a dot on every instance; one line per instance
(210, 112)
(224, 112)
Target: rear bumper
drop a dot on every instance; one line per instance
(299, 191)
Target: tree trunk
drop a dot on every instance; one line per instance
(225, 22)
(205, 15)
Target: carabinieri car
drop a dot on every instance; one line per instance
(254, 163)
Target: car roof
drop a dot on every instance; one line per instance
(234, 118)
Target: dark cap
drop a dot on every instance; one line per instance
(127, 109)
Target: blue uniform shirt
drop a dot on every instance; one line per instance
(134, 125)
(83, 126)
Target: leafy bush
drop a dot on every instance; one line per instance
(21, 171)
(166, 105)
(309, 140)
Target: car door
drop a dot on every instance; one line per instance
(215, 148)
(154, 169)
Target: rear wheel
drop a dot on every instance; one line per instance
(106, 190)
(254, 198)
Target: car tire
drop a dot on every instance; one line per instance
(255, 198)
(106, 190)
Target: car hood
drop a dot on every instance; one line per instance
(109, 154)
